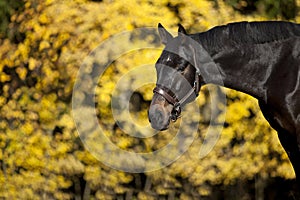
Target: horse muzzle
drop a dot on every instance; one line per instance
(159, 117)
(164, 108)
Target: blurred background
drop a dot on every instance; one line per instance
(42, 46)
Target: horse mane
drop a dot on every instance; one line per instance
(243, 33)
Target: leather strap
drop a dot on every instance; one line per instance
(171, 98)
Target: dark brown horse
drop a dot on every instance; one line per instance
(261, 59)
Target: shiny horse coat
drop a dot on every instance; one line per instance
(261, 59)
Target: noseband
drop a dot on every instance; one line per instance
(172, 99)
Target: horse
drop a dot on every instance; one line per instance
(261, 59)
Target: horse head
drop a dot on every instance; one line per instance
(178, 82)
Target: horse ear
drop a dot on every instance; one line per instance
(181, 29)
(165, 36)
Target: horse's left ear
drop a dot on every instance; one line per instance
(165, 36)
(181, 29)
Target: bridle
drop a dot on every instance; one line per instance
(172, 99)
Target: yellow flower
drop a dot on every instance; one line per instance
(22, 72)
(44, 45)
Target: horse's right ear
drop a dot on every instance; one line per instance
(165, 36)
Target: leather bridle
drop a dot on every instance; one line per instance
(172, 99)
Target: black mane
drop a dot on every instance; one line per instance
(242, 33)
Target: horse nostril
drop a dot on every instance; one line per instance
(160, 117)
(157, 119)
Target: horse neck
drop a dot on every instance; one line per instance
(244, 68)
